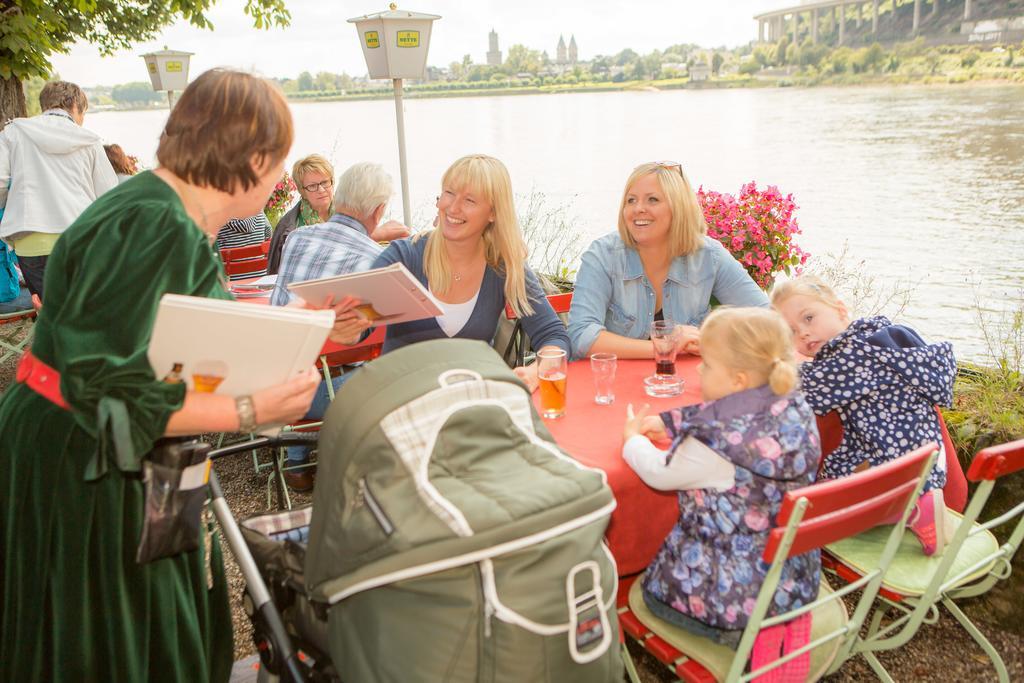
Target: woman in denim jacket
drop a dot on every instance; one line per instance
(659, 265)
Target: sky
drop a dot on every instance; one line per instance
(320, 39)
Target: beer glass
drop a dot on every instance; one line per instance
(551, 371)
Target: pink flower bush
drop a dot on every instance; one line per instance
(757, 228)
(280, 198)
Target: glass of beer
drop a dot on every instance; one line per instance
(208, 374)
(551, 371)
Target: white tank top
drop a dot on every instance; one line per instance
(456, 315)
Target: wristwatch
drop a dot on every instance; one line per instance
(246, 413)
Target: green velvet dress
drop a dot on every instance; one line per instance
(74, 605)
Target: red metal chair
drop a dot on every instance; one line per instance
(955, 491)
(332, 356)
(245, 261)
(972, 563)
(518, 343)
(810, 518)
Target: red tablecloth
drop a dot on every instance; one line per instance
(593, 435)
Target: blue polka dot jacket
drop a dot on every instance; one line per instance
(884, 381)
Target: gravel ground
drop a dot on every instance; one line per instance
(940, 652)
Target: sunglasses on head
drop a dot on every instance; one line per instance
(670, 165)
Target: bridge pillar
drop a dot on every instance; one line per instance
(874, 16)
(935, 7)
(858, 13)
(814, 25)
(796, 28)
(842, 22)
(917, 17)
(967, 9)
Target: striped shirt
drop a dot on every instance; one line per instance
(245, 232)
(337, 247)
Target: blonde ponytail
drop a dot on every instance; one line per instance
(782, 378)
(754, 340)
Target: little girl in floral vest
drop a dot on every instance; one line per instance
(883, 380)
(732, 459)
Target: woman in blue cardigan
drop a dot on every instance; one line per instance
(473, 262)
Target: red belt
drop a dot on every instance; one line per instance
(41, 378)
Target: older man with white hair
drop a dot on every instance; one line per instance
(341, 245)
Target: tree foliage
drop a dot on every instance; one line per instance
(32, 31)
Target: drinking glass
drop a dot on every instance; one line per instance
(552, 371)
(664, 337)
(208, 374)
(664, 382)
(602, 367)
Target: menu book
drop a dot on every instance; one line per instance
(233, 348)
(388, 295)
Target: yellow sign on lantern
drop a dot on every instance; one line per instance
(173, 67)
(408, 39)
(372, 39)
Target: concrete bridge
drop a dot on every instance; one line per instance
(771, 26)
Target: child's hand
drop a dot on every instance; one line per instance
(653, 428)
(634, 421)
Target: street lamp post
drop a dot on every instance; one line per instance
(395, 45)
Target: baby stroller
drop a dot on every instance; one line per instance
(449, 538)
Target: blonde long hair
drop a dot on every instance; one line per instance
(687, 230)
(504, 248)
(755, 340)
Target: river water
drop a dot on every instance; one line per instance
(920, 188)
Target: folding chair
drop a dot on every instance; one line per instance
(245, 261)
(17, 320)
(810, 518)
(332, 356)
(972, 563)
(518, 343)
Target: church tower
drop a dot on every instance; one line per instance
(493, 54)
(560, 56)
(573, 55)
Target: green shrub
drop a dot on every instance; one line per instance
(969, 58)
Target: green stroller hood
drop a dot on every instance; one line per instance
(432, 457)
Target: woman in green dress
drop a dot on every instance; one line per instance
(74, 604)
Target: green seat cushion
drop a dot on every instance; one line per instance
(911, 570)
(717, 658)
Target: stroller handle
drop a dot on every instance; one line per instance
(283, 439)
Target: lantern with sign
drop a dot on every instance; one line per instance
(168, 70)
(395, 45)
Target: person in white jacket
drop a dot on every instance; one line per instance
(51, 169)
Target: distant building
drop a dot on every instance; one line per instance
(493, 54)
(561, 58)
(573, 55)
(700, 72)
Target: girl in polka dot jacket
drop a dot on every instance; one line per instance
(884, 382)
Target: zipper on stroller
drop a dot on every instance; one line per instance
(376, 510)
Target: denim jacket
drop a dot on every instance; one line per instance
(612, 293)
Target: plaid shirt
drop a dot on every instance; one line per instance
(339, 246)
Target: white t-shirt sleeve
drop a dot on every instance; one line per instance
(693, 466)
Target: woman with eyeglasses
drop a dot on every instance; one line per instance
(660, 265)
(314, 176)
